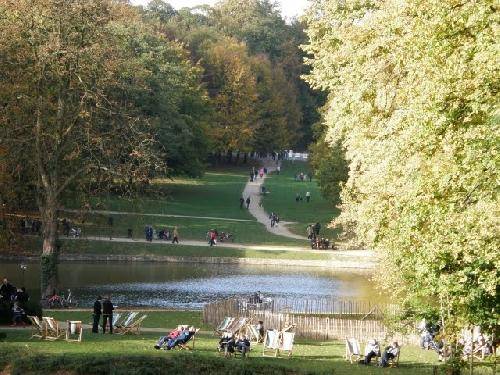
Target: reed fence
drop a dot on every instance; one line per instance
(319, 319)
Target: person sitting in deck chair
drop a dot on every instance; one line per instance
(226, 343)
(18, 315)
(183, 338)
(390, 352)
(372, 350)
(242, 345)
(166, 339)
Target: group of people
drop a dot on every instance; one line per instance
(274, 218)
(243, 201)
(300, 198)
(372, 350)
(303, 177)
(179, 336)
(163, 234)
(257, 172)
(213, 236)
(472, 341)
(30, 226)
(105, 309)
(313, 231)
(229, 344)
(17, 298)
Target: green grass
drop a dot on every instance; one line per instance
(98, 354)
(105, 248)
(283, 189)
(215, 194)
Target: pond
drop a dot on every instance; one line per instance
(191, 285)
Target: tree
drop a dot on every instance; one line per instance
(413, 100)
(232, 88)
(64, 112)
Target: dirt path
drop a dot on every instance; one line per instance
(105, 212)
(252, 190)
(224, 245)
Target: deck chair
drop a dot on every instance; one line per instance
(252, 333)
(224, 325)
(352, 350)
(394, 362)
(133, 327)
(52, 330)
(192, 339)
(237, 326)
(271, 344)
(286, 344)
(116, 319)
(128, 319)
(37, 328)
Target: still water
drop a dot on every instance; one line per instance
(190, 286)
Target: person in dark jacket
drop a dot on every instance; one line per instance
(97, 314)
(22, 297)
(107, 315)
(7, 290)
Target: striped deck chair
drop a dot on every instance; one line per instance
(116, 319)
(37, 328)
(237, 325)
(352, 350)
(133, 327)
(52, 330)
(192, 338)
(253, 333)
(127, 321)
(224, 325)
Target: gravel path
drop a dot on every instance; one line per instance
(252, 190)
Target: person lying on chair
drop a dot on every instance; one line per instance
(165, 339)
(183, 338)
(390, 352)
(372, 350)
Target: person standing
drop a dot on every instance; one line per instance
(107, 315)
(242, 202)
(317, 228)
(278, 169)
(97, 314)
(7, 290)
(308, 196)
(248, 202)
(175, 235)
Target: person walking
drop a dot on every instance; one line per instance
(242, 202)
(248, 202)
(175, 235)
(107, 315)
(97, 314)
(308, 196)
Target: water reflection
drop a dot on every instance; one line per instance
(179, 285)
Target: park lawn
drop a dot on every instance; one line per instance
(166, 320)
(98, 354)
(215, 194)
(281, 199)
(167, 249)
(247, 232)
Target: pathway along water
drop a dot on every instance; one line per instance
(190, 286)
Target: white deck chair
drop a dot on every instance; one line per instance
(287, 340)
(224, 324)
(352, 350)
(271, 344)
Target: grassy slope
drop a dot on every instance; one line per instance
(215, 195)
(284, 188)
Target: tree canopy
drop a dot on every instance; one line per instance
(413, 99)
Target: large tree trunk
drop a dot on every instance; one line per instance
(229, 156)
(237, 160)
(245, 157)
(50, 251)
